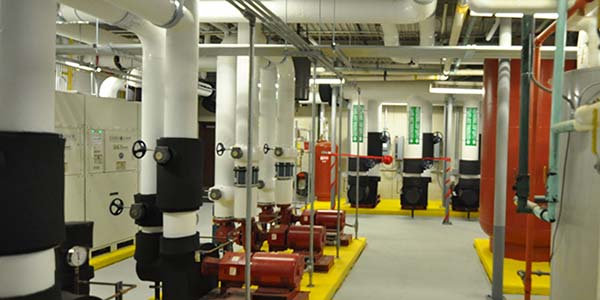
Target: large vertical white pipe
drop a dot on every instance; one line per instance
(373, 113)
(501, 166)
(241, 126)
(266, 134)
(284, 190)
(422, 122)
(225, 131)
(27, 43)
(181, 101)
(469, 150)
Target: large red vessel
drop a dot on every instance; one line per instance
(515, 223)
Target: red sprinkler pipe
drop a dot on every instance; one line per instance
(386, 159)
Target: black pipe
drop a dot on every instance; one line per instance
(522, 186)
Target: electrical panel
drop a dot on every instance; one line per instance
(99, 166)
(70, 122)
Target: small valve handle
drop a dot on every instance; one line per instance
(220, 149)
(139, 149)
(116, 207)
(266, 148)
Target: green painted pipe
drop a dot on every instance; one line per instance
(552, 184)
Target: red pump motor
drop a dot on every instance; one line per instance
(325, 218)
(277, 275)
(297, 238)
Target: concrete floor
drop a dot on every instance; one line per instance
(413, 259)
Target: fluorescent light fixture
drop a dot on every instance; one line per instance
(552, 16)
(478, 14)
(321, 70)
(82, 67)
(456, 90)
(509, 15)
(332, 81)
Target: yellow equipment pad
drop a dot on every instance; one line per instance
(105, 260)
(540, 285)
(327, 284)
(392, 207)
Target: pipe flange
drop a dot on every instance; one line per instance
(278, 151)
(237, 153)
(162, 155)
(215, 194)
(177, 15)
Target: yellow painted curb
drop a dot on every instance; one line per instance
(540, 285)
(110, 258)
(392, 207)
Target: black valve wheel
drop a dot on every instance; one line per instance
(278, 151)
(266, 148)
(116, 206)
(139, 149)
(220, 149)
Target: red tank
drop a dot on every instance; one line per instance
(273, 270)
(515, 223)
(323, 169)
(326, 218)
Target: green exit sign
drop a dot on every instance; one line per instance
(414, 125)
(358, 123)
(471, 126)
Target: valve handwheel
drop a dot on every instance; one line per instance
(139, 149)
(220, 149)
(116, 206)
(266, 148)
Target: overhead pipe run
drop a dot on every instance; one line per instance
(165, 14)
(297, 11)
(515, 6)
(462, 7)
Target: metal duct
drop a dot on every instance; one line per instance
(302, 70)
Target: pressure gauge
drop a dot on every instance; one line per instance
(77, 256)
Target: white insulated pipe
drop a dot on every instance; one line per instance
(457, 24)
(266, 134)
(347, 11)
(241, 126)
(284, 189)
(427, 31)
(373, 113)
(161, 13)
(470, 151)
(181, 102)
(423, 114)
(27, 58)
(225, 131)
(109, 88)
(515, 6)
(27, 45)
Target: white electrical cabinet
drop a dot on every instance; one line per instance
(99, 166)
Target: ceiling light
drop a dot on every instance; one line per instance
(477, 14)
(332, 81)
(456, 90)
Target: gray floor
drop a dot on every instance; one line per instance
(416, 259)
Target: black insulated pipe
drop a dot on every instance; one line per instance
(522, 186)
(179, 177)
(146, 213)
(32, 185)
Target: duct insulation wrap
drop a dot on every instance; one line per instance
(470, 131)
(419, 119)
(266, 134)
(285, 135)
(225, 131)
(241, 125)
